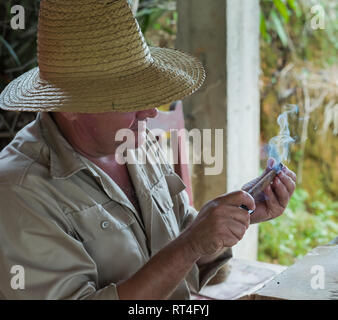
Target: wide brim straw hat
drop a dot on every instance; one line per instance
(93, 58)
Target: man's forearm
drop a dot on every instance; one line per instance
(158, 279)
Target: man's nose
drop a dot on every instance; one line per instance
(149, 113)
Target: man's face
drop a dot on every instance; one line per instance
(103, 127)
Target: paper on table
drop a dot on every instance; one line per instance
(245, 278)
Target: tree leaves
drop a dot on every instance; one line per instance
(282, 9)
(17, 47)
(279, 13)
(10, 50)
(293, 4)
(279, 28)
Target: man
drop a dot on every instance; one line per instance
(81, 224)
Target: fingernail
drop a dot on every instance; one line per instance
(271, 163)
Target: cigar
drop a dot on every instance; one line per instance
(262, 184)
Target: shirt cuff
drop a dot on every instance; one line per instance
(198, 278)
(107, 293)
(210, 269)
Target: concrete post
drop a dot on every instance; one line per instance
(202, 33)
(224, 35)
(243, 111)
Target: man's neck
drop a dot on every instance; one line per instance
(83, 144)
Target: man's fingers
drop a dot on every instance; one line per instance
(235, 213)
(243, 217)
(281, 192)
(271, 200)
(236, 228)
(230, 241)
(290, 173)
(288, 182)
(238, 198)
(271, 163)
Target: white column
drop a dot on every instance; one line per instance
(243, 108)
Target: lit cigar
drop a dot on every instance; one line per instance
(262, 184)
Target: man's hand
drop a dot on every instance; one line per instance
(220, 223)
(275, 198)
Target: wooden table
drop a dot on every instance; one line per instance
(313, 277)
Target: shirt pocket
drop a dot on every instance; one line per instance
(107, 234)
(163, 205)
(175, 184)
(100, 220)
(165, 190)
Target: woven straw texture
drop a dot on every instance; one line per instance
(93, 58)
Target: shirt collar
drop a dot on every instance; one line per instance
(64, 160)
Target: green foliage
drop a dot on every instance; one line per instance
(17, 47)
(149, 17)
(305, 224)
(274, 17)
(153, 16)
(288, 22)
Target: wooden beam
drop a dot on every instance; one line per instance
(313, 277)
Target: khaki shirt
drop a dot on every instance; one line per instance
(71, 227)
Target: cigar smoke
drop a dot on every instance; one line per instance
(279, 146)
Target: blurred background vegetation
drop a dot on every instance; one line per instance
(298, 66)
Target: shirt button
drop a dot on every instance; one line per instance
(104, 224)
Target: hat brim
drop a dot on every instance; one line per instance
(172, 76)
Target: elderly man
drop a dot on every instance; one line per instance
(79, 222)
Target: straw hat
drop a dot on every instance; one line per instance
(93, 58)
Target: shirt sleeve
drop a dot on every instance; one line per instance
(39, 256)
